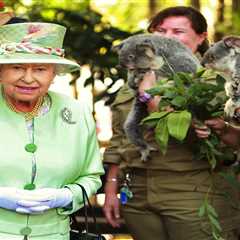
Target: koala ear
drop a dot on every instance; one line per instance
(147, 47)
(232, 41)
(117, 48)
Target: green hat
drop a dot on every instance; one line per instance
(34, 43)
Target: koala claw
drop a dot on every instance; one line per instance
(153, 149)
(145, 153)
(236, 115)
(229, 108)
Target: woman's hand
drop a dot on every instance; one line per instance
(149, 80)
(111, 206)
(218, 125)
(11, 198)
(40, 200)
(201, 130)
(228, 133)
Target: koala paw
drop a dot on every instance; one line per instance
(230, 107)
(145, 153)
(236, 115)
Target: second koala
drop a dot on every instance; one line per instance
(148, 52)
(224, 56)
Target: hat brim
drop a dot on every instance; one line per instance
(63, 65)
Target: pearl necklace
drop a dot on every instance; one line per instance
(27, 115)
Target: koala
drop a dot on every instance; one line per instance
(224, 56)
(149, 52)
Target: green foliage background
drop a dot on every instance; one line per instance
(89, 37)
(95, 25)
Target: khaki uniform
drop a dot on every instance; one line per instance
(169, 189)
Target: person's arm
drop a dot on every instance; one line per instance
(111, 205)
(228, 133)
(112, 158)
(149, 81)
(113, 155)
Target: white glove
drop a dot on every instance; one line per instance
(46, 198)
(10, 196)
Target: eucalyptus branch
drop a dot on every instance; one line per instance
(192, 96)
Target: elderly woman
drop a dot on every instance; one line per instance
(48, 143)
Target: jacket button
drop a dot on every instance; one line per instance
(26, 231)
(31, 147)
(29, 186)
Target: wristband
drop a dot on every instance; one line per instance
(144, 97)
(225, 129)
(226, 126)
(111, 180)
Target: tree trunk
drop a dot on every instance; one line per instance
(235, 6)
(220, 11)
(152, 6)
(235, 13)
(219, 20)
(195, 4)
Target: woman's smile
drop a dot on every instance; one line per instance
(26, 89)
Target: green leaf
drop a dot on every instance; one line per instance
(200, 72)
(185, 77)
(179, 83)
(178, 124)
(163, 104)
(215, 223)
(220, 81)
(162, 135)
(163, 81)
(211, 210)
(179, 101)
(151, 123)
(212, 160)
(156, 90)
(212, 148)
(170, 93)
(217, 114)
(216, 236)
(202, 210)
(155, 116)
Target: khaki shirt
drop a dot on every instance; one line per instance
(179, 156)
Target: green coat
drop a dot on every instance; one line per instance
(67, 153)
